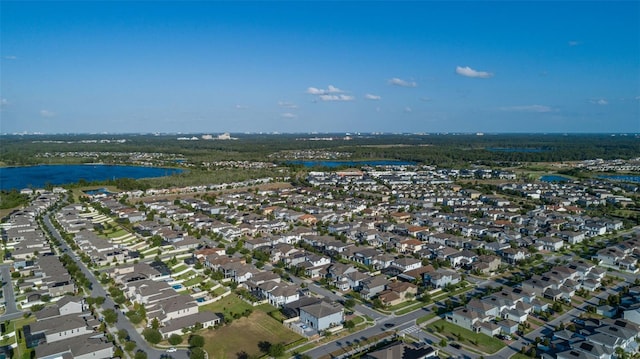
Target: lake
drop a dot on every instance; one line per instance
(621, 178)
(40, 176)
(554, 178)
(333, 164)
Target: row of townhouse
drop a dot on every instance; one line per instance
(599, 340)
(145, 285)
(500, 312)
(622, 256)
(561, 282)
(67, 329)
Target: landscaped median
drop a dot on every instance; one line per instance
(479, 342)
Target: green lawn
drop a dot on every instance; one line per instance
(193, 281)
(243, 335)
(228, 305)
(519, 356)
(425, 318)
(451, 331)
(118, 233)
(414, 305)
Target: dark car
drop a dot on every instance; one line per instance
(389, 325)
(455, 345)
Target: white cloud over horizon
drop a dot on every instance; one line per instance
(599, 101)
(402, 83)
(47, 113)
(288, 115)
(286, 104)
(317, 91)
(339, 97)
(372, 97)
(469, 72)
(529, 108)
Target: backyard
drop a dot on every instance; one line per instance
(477, 341)
(241, 338)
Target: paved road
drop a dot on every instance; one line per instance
(98, 291)
(11, 310)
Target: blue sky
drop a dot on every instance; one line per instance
(501, 66)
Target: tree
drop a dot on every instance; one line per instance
(349, 303)
(196, 341)
(140, 355)
(129, 345)
(349, 324)
(175, 339)
(197, 353)
(123, 334)
(277, 350)
(110, 316)
(153, 336)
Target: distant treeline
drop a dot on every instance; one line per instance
(443, 150)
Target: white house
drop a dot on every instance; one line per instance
(322, 316)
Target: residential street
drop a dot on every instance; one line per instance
(98, 291)
(11, 311)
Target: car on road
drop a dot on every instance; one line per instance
(172, 350)
(389, 325)
(455, 345)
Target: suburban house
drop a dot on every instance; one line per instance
(322, 316)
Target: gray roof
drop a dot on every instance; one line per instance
(322, 309)
(189, 321)
(58, 324)
(74, 347)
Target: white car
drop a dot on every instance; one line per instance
(172, 350)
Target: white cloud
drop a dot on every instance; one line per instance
(315, 91)
(285, 104)
(340, 97)
(469, 72)
(330, 89)
(408, 109)
(241, 107)
(528, 108)
(4, 102)
(288, 115)
(47, 113)
(372, 97)
(599, 101)
(10, 57)
(574, 43)
(403, 83)
(637, 98)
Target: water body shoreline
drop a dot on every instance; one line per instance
(38, 176)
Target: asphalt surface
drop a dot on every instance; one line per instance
(11, 310)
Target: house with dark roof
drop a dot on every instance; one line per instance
(322, 316)
(403, 351)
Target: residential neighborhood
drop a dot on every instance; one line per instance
(350, 250)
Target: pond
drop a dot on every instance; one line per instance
(554, 178)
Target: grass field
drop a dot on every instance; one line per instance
(243, 336)
(451, 331)
(228, 305)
